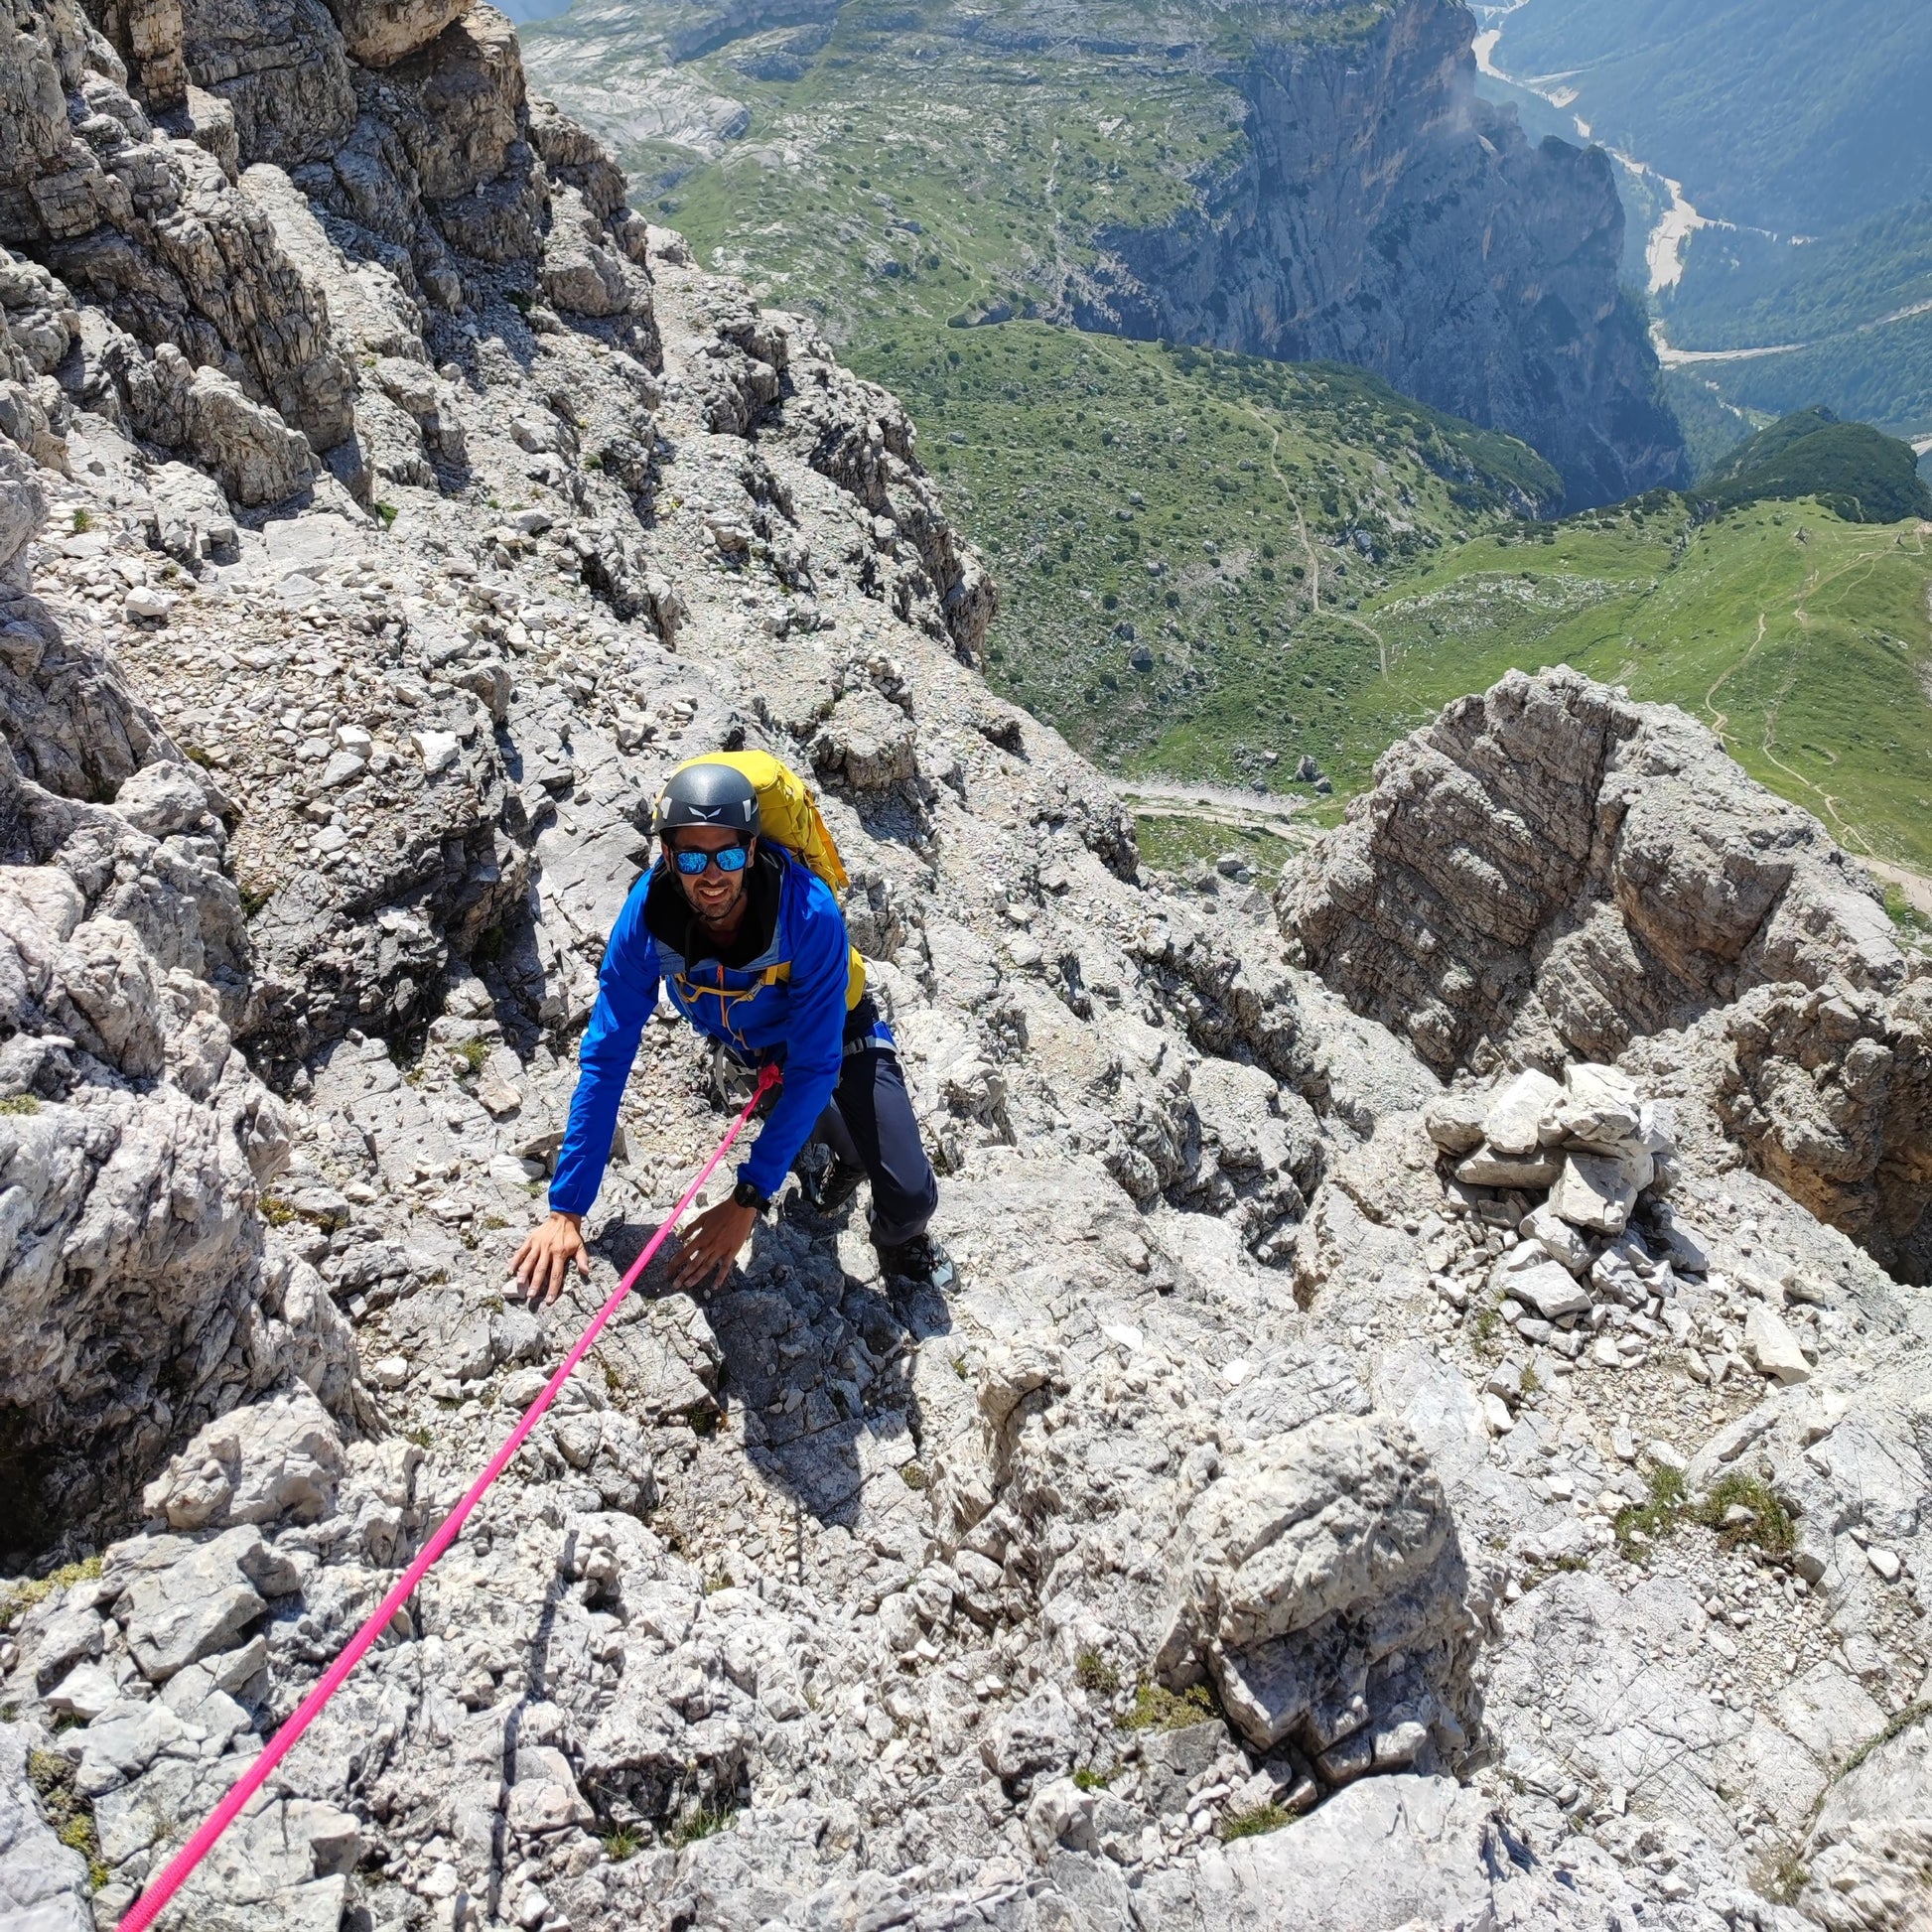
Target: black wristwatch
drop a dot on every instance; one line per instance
(746, 1196)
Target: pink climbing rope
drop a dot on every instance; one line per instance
(145, 1910)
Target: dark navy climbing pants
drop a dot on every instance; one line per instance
(870, 1123)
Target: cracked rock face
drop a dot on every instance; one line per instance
(1550, 872)
(1458, 1443)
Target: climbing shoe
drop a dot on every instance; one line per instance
(835, 1186)
(921, 1261)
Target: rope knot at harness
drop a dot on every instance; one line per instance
(145, 1910)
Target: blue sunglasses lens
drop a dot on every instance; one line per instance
(691, 864)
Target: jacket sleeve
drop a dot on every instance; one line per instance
(814, 1047)
(626, 991)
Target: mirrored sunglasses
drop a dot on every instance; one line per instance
(692, 864)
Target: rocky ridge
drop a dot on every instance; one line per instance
(1257, 1471)
(1550, 871)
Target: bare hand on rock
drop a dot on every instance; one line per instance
(545, 1258)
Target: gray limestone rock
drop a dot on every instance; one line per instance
(1594, 1191)
(43, 1883)
(272, 1462)
(1513, 1122)
(829, 1597)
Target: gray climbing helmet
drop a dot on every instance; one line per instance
(708, 792)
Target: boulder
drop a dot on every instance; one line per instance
(1546, 1287)
(269, 1462)
(163, 798)
(866, 741)
(378, 33)
(1454, 1120)
(1038, 1734)
(1594, 1192)
(1513, 1122)
(1485, 1167)
(185, 1601)
(1771, 1349)
(1334, 1532)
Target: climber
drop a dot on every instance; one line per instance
(752, 947)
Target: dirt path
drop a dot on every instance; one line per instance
(1915, 885)
(1314, 562)
(1718, 719)
(1218, 804)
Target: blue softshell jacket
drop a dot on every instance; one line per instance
(788, 1005)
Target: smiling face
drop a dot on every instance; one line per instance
(715, 896)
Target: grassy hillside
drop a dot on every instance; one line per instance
(1181, 537)
(1205, 559)
(871, 161)
(1804, 640)
(1852, 471)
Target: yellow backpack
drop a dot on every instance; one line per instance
(789, 811)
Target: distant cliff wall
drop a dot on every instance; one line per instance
(1381, 215)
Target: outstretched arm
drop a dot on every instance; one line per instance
(626, 991)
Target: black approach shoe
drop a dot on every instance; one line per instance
(921, 1261)
(835, 1186)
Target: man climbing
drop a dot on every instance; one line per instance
(751, 945)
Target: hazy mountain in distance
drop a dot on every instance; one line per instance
(1780, 115)
(1802, 264)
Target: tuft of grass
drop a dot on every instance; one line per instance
(705, 1821)
(20, 1103)
(16, 1602)
(620, 1844)
(388, 513)
(1655, 1518)
(84, 521)
(1786, 1880)
(717, 1580)
(1095, 1780)
(1899, 1722)
(276, 1211)
(69, 1813)
(471, 1058)
(1251, 1823)
(1156, 1708)
(1092, 1672)
(1770, 1527)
